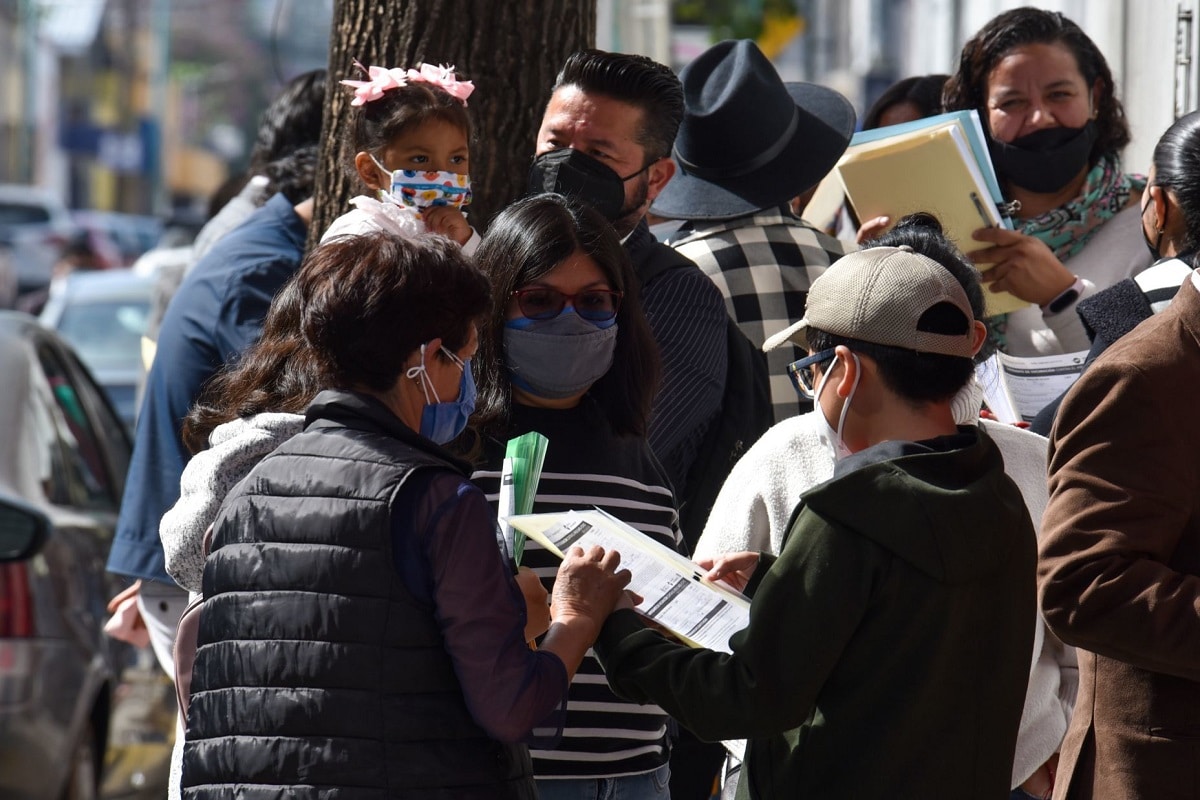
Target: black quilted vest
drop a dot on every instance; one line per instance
(317, 674)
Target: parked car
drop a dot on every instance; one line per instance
(119, 238)
(35, 226)
(63, 460)
(103, 315)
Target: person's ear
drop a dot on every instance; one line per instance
(850, 368)
(658, 174)
(1159, 199)
(368, 171)
(1097, 92)
(979, 333)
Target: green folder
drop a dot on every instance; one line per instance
(525, 454)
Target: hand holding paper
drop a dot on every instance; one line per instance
(586, 589)
(735, 569)
(675, 592)
(1024, 266)
(938, 165)
(588, 585)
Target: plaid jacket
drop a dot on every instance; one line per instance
(763, 264)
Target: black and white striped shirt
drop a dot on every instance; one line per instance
(587, 465)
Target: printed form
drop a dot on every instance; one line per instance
(674, 592)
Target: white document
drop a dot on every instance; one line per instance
(1034, 383)
(674, 592)
(507, 503)
(990, 377)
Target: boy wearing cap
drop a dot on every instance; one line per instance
(889, 642)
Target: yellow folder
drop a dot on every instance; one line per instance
(930, 170)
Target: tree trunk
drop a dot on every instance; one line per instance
(511, 49)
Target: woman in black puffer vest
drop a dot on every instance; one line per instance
(361, 635)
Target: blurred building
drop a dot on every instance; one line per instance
(144, 106)
(1150, 45)
(860, 47)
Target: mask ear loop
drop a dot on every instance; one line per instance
(384, 194)
(420, 374)
(849, 397)
(458, 362)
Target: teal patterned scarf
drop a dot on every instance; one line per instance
(1067, 229)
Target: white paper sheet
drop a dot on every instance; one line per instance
(674, 592)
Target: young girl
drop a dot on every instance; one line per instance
(410, 138)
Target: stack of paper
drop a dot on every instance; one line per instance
(938, 165)
(519, 476)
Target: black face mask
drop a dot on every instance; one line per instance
(569, 172)
(1046, 160)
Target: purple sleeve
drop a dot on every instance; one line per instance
(514, 693)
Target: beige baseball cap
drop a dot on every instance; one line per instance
(880, 295)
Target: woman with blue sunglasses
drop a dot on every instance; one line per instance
(567, 352)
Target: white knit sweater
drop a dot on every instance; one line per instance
(234, 449)
(755, 504)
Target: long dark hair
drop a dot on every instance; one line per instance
(967, 88)
(277, 373)
(1177, 168)
(287, 144)
(528, 240)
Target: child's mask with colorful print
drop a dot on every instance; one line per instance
(421, 189)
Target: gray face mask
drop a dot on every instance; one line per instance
(559, 357)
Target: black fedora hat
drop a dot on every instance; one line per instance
(748, 140)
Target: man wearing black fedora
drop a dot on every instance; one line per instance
(748, 144)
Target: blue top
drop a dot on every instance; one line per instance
(216, 315)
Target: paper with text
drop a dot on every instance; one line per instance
(1033, 383)
(674, 592)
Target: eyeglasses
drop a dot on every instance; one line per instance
(594, 305)
(801, 372)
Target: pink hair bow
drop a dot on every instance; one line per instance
(442, 77)
(380, 80)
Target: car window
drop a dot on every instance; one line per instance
(85, 466)
(20, 214)
(106, 335)
(110, 429)
(47, 450)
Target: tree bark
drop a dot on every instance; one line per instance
(511, 49)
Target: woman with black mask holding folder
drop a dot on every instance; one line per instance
(566, 352)
(1055, 130)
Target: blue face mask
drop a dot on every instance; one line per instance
(443, 422)
(558, 357)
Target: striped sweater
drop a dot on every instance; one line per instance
(588, 465)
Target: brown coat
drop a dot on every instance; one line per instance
(1119, 573)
